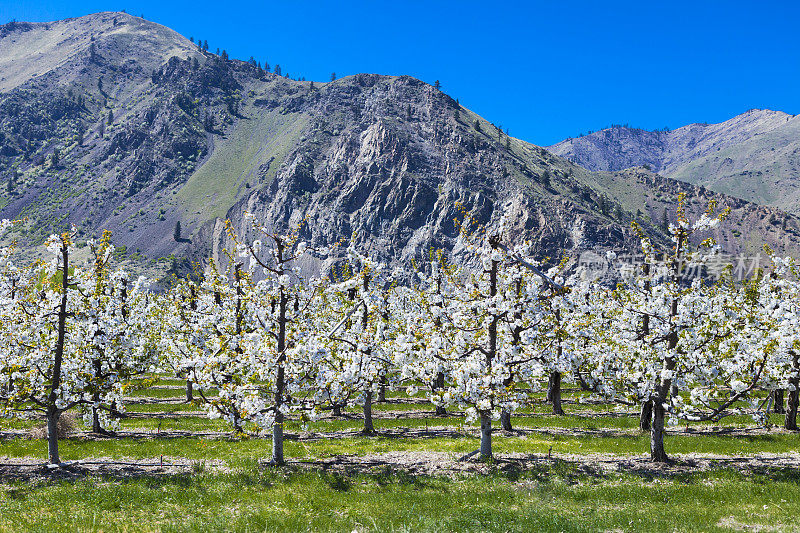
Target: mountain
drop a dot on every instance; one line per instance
(754, 156)
(109, 121)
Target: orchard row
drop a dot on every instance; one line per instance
(477, 329)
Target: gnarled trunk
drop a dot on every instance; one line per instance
(791, 413)
(667, 384)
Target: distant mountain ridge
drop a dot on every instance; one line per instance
(754, 156)
(113, 122)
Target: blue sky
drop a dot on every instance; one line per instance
(545, 70)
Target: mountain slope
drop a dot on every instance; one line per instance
(138, 130)
(754, 156)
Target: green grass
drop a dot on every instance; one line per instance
(543, 497)
(234, 449)
(161, 392)
(163, 407)
(548, 499)
(183, 423)
(8, 423)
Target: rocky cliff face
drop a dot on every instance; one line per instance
(754, 156)
(136, 134)
(391, 176)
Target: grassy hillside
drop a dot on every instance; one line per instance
(262, 138)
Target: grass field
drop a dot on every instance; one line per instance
(170, 468)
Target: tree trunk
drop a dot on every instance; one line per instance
(779, 401)
(277, 426)
(646, 415)
(486, 436)
(115, 412)
(280, 382)
(96, 427)
(237, 425)
(505, 420)
(277, 440)
(53, 412)
(667, 385)
(657, 452)
(791, 413)
(555, 377)
(486, 419)
(189, 391)
(337, 409)
(369, 429)
(794, 395)
(439, 385)
(555, 392)
(382, 390)
(53, 415)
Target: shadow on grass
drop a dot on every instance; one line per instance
(76, 472)
(343, 473)
(338, 481)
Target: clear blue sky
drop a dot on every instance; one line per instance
(545, 70)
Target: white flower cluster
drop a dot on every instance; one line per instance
(105, 339)
(273, 343)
